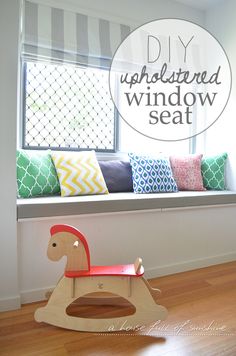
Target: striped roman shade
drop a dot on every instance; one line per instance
(59, 35)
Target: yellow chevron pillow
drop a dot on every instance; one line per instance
(79, 173)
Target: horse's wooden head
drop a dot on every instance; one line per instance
(67, 241)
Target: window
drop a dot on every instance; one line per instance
(67, 107)
(66, 57)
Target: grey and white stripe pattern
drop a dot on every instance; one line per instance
(58, 35)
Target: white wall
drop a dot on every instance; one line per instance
(170, 241)
(9, 33)
(221, 137)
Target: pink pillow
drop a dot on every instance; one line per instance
(187, 171)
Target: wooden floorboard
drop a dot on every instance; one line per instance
(201, 322)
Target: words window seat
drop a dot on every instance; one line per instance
(43, 207)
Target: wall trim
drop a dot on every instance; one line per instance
(34, 295)
(189, 265)
(11, 303)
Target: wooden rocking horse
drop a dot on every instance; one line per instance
(81, 279)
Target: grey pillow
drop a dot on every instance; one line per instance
(117, 175)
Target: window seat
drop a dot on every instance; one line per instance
(117, 202)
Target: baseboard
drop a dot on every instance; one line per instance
(189, 265)
(35, 295)
(11, 303)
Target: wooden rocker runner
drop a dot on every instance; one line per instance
(81, 279)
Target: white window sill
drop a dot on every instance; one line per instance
(44, 207)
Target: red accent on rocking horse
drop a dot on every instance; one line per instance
(117, 270)
(63, 229)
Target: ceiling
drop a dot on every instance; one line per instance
(199, 4)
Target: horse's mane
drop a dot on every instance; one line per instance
(67, 228)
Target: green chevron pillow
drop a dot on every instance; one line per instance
(36, 174)
(213, 171)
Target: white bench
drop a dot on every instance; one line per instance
(117, 202)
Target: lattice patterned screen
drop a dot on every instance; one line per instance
(68, 107)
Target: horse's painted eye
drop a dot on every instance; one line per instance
(54, 244)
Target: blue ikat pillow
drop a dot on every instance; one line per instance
(151, 175)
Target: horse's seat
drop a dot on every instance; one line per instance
(118, 270)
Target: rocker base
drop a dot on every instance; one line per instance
(136, 290)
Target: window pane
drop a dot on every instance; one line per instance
(68, 107)
(132, 141)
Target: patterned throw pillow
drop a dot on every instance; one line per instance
(213, 171)
(36, 174)
(79, 173)
(187, 171)
(151, 175)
